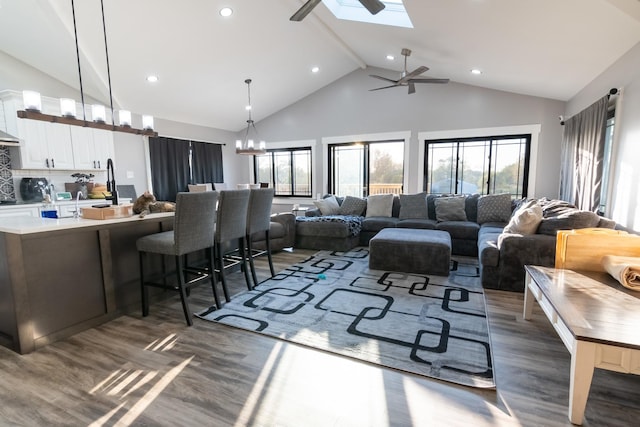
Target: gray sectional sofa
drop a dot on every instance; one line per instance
(478, 232)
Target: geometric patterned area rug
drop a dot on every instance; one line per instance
(433, 326)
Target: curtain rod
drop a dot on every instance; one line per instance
(612, 92)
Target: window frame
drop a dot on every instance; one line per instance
(373, 137)
(532, 129)
(366, 161)
(488, 184)
(290, 150)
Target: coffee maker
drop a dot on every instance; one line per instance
(33, 189)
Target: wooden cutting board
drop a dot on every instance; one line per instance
(112, 212)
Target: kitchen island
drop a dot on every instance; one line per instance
(62, 276)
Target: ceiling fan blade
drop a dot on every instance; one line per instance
(413, 74)
(429, 81)
(385, 87)
(383, 78)
(373, 6)
(304, 10)
(412, 88)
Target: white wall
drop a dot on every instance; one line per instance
(347, 107)
(625, 192)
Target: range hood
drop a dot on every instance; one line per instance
(6, 139)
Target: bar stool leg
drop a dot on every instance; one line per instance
(143, 289)
(242, 251)
(251, 264)
(273, 273)
(220, 258)
(182, 289)
(212, 273)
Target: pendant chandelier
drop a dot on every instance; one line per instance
(247, 146)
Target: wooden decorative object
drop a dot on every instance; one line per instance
(112, 212)
(584, 248)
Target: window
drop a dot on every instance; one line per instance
(485, 165)
(606, 167)
(366, 168)
(288, 171)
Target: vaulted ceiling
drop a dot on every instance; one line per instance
(547, 48)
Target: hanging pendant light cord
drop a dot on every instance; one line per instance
(106, 51)
(75, 32)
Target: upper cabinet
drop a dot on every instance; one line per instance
(45, 145)
(91, 147)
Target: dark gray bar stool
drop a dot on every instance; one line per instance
(193, 230)
(231, 226)
(259, 221)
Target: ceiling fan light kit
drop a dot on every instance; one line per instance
(406, 78)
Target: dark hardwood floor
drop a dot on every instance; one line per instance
(156, 371)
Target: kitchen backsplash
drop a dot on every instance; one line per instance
(7, 188)
(10, 178)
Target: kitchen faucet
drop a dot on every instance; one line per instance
(111, 184)
(76, 213)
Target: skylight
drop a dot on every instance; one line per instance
(393, 14)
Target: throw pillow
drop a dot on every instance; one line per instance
(450, 209)
(380, 205)
(327, 206)
(413, 206)
(526, 219)
(494, 208)
(352, 206)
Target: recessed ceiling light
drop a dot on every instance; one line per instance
(315, 69)
(152, 79)
(391, 57)
(476, 71)
(226, 11)
(248, 107)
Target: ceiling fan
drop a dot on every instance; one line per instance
(408, 79)
(373, 6)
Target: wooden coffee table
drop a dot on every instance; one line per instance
(597, 320)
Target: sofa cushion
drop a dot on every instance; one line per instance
(606, 223)
(352, 206)
(488, 251)
(450, 209)
(461, 230)
(380, 205)
(378, 223)
(526, 219)
(422, 224)
(494, 208)
(328, 205)
(569, 220)
(471, 207)
(413, 206)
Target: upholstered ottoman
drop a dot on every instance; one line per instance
(411, 250)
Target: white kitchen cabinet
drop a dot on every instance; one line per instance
(44, 145)
(7, 211)
(103, 145)
(91, 147)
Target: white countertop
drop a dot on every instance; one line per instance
(28, 225)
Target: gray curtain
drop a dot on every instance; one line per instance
(169, 167)
(206, 162)
(582, 156)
